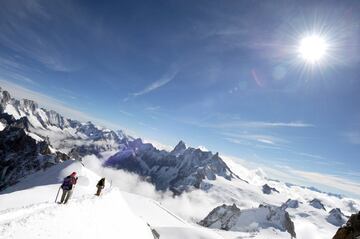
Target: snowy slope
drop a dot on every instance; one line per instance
(27, 210)
(165, 222)
(82, 218)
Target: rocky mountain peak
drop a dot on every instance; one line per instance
(179, 148)
(351, 229)
(228, 217)
(316, 203)
(5, 97)
(29, 104)
(290, 203)
(266, 189)
(222, 217)
(336, 217)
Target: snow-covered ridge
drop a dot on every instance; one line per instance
(63, 133)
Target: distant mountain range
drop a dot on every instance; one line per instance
(179, 170)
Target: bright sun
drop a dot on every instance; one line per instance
(312, 49)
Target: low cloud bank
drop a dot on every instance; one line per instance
(193, 206)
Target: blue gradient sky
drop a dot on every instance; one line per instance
(224, 75)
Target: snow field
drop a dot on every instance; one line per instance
(105, 217)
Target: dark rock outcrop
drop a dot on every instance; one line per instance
(316, 203)
(351, 230)
(266, 189)
(20, 154)
(222, 217)
(336, 217)
(231, 218)
(290, 203)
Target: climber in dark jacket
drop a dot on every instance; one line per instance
(67, 187)
(100, 186)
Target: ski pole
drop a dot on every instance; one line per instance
(57, 194)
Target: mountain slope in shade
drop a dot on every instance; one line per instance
(21, 154)
(179, 170)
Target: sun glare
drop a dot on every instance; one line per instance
(312, 49)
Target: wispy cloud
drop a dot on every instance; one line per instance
(334, 181)
(126, 113)
(327, 182)
(353, 137)
(12, 69)
(259, 124)
(252, 138)
(68, 93)
(224, 121)
(158, 144)
(18, 35)
(165, 79)
(314, 156)
(152, 108)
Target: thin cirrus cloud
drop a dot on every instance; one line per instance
(353, 137)
(301, 177)
(165, 79)
(19, 36)
(337, 182)
(12, 69)
(152, 108)
(228, 123)
(254, 138)
(126, 113)
(259, 124)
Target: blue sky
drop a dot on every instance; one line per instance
(224, 75)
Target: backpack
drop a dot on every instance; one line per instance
(101, 183)
(67, 183)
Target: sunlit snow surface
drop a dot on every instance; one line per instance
(29, 211)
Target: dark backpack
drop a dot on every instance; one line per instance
(101, 183)
(67, 184)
